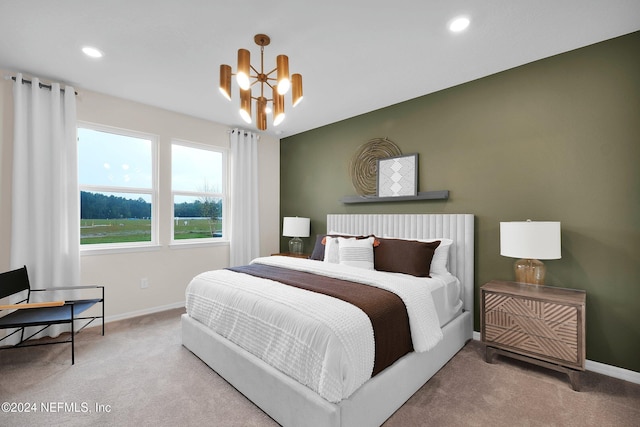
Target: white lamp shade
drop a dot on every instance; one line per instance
(530, 239)
(295, 226)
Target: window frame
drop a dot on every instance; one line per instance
(96, 248)
(224, 196)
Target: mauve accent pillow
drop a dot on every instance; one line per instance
(318, 249)
(405, 256)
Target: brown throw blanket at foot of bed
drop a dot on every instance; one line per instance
(385, 309)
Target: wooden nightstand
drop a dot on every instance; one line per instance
(538, 324)
(292, 255)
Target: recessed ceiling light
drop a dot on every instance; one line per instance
(459, 24)
(92, 52)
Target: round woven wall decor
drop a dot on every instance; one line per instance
(364, 164)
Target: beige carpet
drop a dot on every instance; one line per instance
(139, 374)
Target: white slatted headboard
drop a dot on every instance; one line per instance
(457, 227)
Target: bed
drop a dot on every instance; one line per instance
(291, 403)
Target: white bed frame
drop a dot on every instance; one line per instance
(292, 404)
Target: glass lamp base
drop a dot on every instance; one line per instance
(296, 245)
(530, 271)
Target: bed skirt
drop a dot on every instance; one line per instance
(292, 404)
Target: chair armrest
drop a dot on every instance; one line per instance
(32, 305)
(68, 288)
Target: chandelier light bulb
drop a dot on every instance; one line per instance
(244, 64)
(245, 116)
(284, 84)
(225, 81)
(278, 119)
(245, 105)
(296, 89)
(243, 81)
(225, 94)
(92, 52)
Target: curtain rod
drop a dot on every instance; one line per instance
(41, 85)
(246, 132)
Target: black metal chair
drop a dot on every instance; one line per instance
(27, 314)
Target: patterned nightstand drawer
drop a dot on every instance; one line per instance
(546, 329)
(538, 323)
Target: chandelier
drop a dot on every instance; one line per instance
(278, 85)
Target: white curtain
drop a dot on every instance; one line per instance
(245, 233)
(45, 202)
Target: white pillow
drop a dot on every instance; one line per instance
(331, 253)
(356, 252)
(440, 260)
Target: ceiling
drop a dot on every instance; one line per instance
(355, 56)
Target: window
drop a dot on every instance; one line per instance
(116, 176)
(198, 184)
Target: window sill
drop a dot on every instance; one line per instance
(102, 250)
(196, 244)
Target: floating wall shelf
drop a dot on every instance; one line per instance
(426, 195)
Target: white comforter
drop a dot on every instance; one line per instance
(322, 342)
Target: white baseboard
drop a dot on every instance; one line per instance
(613, 371)
(137, 313)
(600, 368)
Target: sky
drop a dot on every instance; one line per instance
(109, 159)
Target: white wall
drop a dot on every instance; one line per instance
(168, 269)
(6, 154)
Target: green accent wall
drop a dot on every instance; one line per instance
(557, 140)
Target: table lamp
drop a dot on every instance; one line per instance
(295, 227)
(531, 241)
